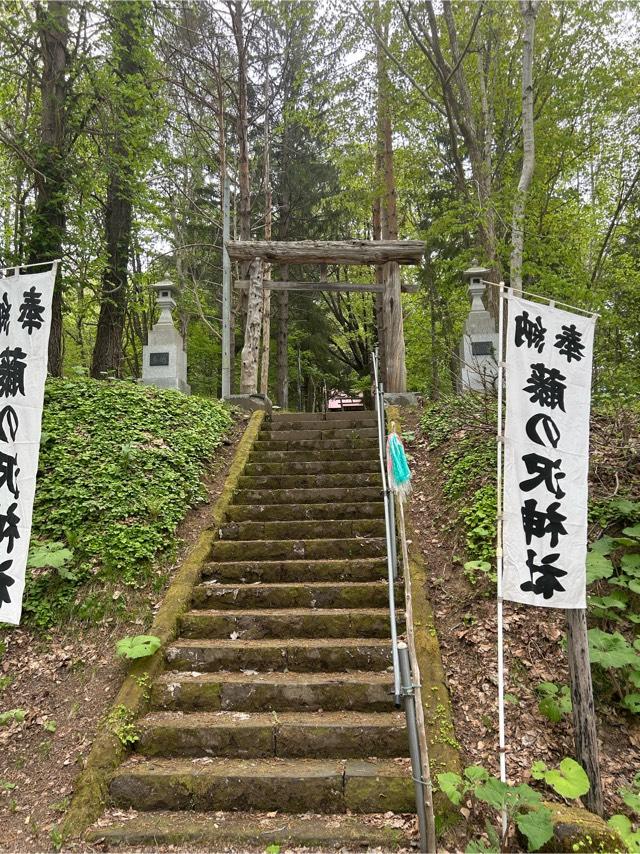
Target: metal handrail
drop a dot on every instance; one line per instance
(390, 529)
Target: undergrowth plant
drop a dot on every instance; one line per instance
(469, 466)
(521, 804)
(120, 463)
(613, 569)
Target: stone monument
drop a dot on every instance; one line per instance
(479, 345)
(164, 360)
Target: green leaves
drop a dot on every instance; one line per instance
(555, 700)
(611, 650)
(122, 464)
(51, 554)
(451, 785)
(537, 826)
(12, 716)
(598, 566)
(569, 780)
(522, 804)
(140, 646)
(622, 825)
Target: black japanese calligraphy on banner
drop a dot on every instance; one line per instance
(546, 455)
(25, 319)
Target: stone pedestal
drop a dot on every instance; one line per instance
(164, 360)
(250, 402)
(479, 345)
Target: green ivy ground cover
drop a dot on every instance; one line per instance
(120, 464)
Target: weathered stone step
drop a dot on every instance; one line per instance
(337, 454)
(298, 655)
(280, 425)
(296, 549)
(340, 735)
(353, 435)
(286, 785)
(267, 692)
(303, 529)
(294, 512)
(313, 467)
(334, 415)
(287, 623)
(310, 481)
(240, 831)
(317, 594)
(360, 569)
(354, 495)
(357, 442)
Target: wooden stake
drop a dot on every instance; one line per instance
(584, 716)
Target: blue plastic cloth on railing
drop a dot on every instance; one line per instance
(398, 469)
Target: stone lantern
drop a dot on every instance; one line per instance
(479, 345)
(164, 360)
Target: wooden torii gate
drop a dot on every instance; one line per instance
(386, 255)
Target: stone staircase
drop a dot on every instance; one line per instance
(277, 697)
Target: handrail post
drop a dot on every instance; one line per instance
(414, 745)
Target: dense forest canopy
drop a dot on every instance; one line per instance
(119, 120)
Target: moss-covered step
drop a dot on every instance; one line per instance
(330, 454)
(354, 441)
(260, 692)
(284, 424)
(286, 785)
(333, 415)
(319, 594)
(296, 549)
(337, 735)
(299, 654)
(311, 481)
(350, 495)
(345, 569)
(350, 434)
(304, 529)
(239, 831)
(313, 467)
(302, 512)
(287, 623)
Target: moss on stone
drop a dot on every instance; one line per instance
(107, 752)
(444, 753)
(579, 831)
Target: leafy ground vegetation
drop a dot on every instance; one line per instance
(120, 466)
(453, 447)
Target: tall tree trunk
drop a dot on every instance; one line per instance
(529, 10)
(242, 134)
(49, 219)
(282, 391)
(242, 129)
(128, 24)
(394, 347)
(266, 293)
(379, 313)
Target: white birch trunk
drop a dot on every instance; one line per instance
(529, 10)
(251, 348)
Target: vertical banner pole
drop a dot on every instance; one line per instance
(226, 292)
(500, 441)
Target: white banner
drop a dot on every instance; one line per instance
(25, 319)
(546, 458)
